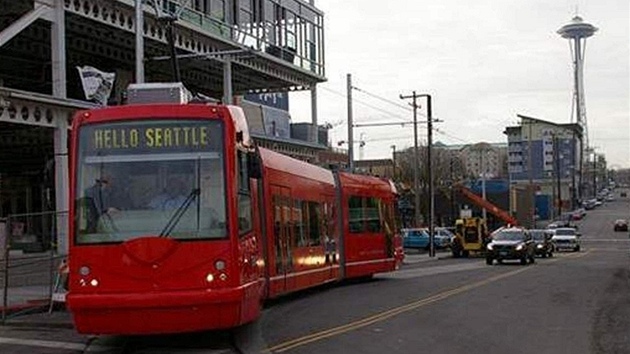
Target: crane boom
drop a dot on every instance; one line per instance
(483, 203)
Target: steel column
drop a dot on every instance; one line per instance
(61, 180)
(58, 46)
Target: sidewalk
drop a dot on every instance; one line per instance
(59, 318)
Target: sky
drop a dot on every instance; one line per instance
(483, 62)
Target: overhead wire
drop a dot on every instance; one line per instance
(382, 110)
(389, 114)
(373, 95)
(437, 130)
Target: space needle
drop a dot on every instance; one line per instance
(576, 32)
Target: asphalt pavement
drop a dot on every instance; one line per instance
(571, 303)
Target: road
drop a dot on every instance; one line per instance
(571, 303)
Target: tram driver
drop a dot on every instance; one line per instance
(102, 198)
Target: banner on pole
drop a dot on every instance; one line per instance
(97, 84)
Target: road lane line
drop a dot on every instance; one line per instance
(314, 337)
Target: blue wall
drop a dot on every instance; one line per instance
(567, 160)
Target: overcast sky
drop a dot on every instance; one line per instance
(483, 61)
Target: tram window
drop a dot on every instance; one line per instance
(355, 210)
(300, 220)
(314, 220)
(364, 215)
(372, 217)
(244, 196)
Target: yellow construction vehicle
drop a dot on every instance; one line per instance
(471, 235)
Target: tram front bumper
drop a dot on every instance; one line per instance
(165, 312)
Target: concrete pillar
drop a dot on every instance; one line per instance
(61, 181)
(315, 130)
(227, 81)
(58, 46)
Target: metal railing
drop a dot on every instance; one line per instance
(29, 271)
(253, 35)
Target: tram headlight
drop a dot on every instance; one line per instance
(219, 265)
(85, 270)
(210, 278)
(94, 282)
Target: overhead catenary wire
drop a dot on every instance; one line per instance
(382, 110)
(389, 114)
(437, 130)
(373, 95)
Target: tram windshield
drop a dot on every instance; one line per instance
(162, 178)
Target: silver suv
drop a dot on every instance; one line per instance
(566, 238)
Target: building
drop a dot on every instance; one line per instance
(377, 167)
(544, 157)
(485, 159)
(225, 49)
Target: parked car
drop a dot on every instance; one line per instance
(542, 241)
(445, 233)
(419, 238)
(565, 220)
(511, 243)
(566, 238)
(621, 225)
(590, 204)
(578, 214)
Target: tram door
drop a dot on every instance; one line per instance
(282, 245)
(331, 238)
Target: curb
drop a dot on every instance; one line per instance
(29, 305)
(426, 258)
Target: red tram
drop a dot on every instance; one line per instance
(179, 224)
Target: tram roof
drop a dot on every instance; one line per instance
(295, 167)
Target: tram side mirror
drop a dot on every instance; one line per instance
(254, 167)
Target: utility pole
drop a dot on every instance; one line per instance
(594, 174)
(453, 212)
(393, 162)
(350, 124)
(573, 169)
(530, 172)
(430, 166)
(416, 181)
(556, 159)
(414, 97)
(483, 183)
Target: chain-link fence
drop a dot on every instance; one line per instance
(29, 271)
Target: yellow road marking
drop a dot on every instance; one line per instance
(314, 337)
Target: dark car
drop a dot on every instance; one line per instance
(542, 241)
(511, 243)
(621, 225)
